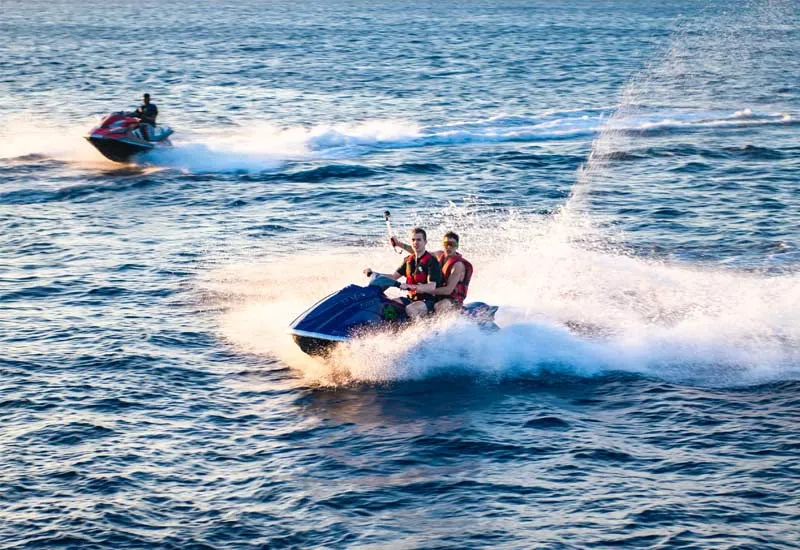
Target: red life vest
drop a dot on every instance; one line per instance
(418, 276)
(459, 293)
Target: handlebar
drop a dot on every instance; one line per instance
(382, 281)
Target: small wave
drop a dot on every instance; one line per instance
(107, 291)
(416, 168)
(35, 293)
(692, 167)
(74, 192)
(31, 157)
(73, 433)
(332, 171)
(753, 152)
(548, 423)
(264, 230)
(747, 152)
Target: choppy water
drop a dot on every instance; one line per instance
(624, 178)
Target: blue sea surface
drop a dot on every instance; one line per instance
(624, 177)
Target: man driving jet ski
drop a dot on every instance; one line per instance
(146, 113)
(423, 275)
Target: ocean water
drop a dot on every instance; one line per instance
(625, 179)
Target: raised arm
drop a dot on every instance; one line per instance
(399, 244)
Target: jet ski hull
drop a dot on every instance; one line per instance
(119, 137)
(118, 150)
(315, 344)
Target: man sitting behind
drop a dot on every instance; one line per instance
(456, 272)
(423, 274)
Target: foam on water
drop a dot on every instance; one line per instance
(563, 308)
(263, 146)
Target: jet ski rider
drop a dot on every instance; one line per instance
(147, 113)
(456, 273)
(423, 274)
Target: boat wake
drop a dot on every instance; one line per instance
(266, 147)
(259, 147)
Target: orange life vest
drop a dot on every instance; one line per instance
(459, 293)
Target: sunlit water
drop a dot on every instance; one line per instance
(624, 178)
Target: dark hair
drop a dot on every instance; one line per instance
(147, 96)
(452, 236)
(415, 230)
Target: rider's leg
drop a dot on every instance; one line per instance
(418, 309)
(446, 305)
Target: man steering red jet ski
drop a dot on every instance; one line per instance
(121, 135)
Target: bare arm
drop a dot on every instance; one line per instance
(456, 276)
(400, 244)
(425, 288)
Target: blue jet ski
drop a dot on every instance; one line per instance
(357, 310)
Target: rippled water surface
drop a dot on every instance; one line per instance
(624, 178)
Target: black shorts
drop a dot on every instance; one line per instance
(427, 298)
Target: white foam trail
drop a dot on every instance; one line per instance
(563, 308)
(261, 146)
(394, 134)
(198, 158)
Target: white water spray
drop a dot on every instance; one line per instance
(563, 308)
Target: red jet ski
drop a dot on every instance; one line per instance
(119, 137)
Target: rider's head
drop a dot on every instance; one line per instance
(450, 242)
(418, 240)
(146, 98)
